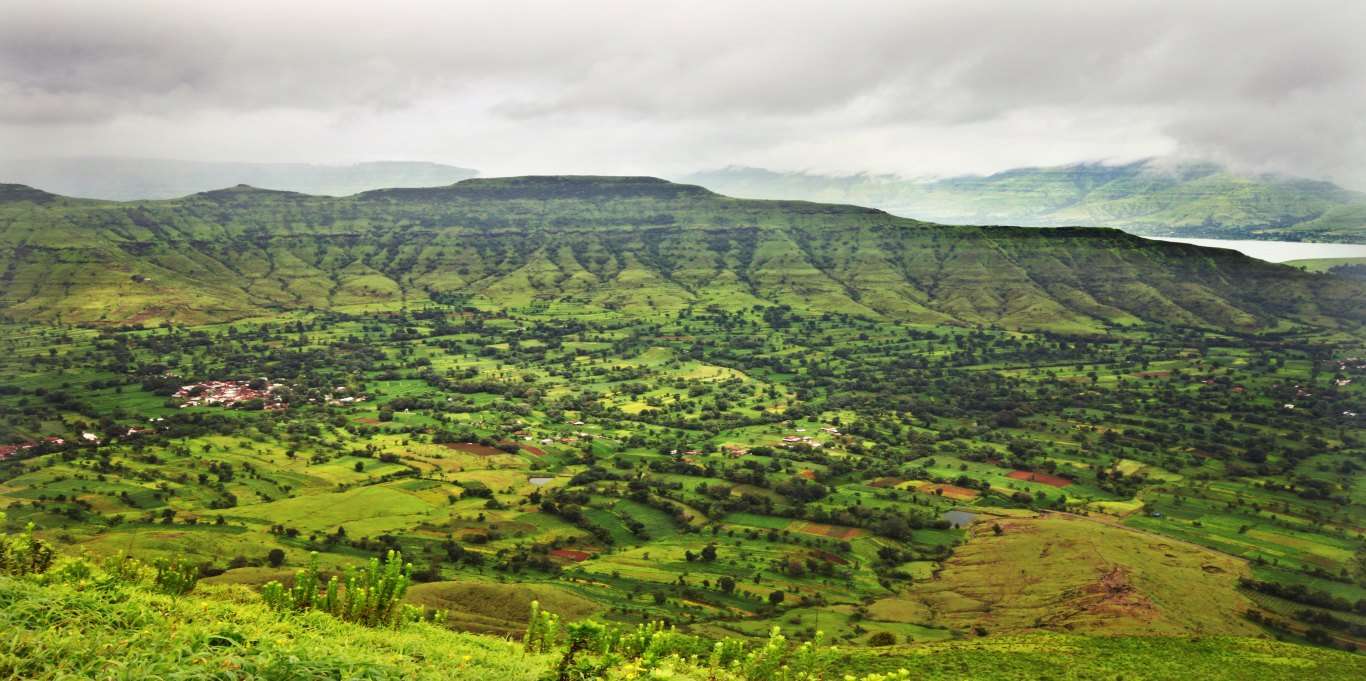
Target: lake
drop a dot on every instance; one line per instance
(1277, 251)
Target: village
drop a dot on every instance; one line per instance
(270, 396)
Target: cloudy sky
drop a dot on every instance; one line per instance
(908, 86)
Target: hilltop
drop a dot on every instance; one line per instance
(129, 179)
(1152, 197)
(614, 243)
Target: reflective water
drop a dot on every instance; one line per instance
(1277, 251)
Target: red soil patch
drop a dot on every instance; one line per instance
(808, 474)
(571, 554)
(1044, 478)
(950, 491)
(367, 421)
(534, 451)
(474, 448)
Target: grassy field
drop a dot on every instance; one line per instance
(1068, 573)
(68, 630)
(731, 421)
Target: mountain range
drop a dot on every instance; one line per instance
(1151, 197)
(1157, 197)
(128, 179)
(632, 244)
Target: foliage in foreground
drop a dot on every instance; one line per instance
(23, 554)
(86, 620)
(80, 621)
(372, 596)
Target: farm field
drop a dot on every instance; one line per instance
(720, 452)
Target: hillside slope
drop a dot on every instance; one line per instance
(63, 631)
(633, 244)
(1147, 197)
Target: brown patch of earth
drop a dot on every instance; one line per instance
(1044, 478)
(885, 482)
(474, 448)
(821, 529)
(571, 554)
(949, 491)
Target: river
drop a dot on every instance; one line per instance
(1277, 251)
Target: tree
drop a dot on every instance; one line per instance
(776, 597)
(726, 583)
(709, 552)
(882, 638)
(275, 557)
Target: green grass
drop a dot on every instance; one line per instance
(64, 632)
(1324, 264)
(73, 630)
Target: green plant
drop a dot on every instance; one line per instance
(24, 554)
(124, 568)
(592, 649)
(372, 596)
(541, 630)
(175, 577)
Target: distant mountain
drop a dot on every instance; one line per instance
(1153, 198)
(631, 244)
(129, 179)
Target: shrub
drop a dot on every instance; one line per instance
(24, 554)
(541, 630)
(372, 596)
(598, 650)
(882, 638)
(175, 577)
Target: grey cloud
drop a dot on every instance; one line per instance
(754, 82)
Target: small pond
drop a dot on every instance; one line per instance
(959, 518)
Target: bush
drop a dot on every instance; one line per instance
(372, 596)
(882, 638)
(598, 650)
(24, 554)
(175, 577)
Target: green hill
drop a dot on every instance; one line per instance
(1147, 197)
(612, 243)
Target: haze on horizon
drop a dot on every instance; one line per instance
(911, 87)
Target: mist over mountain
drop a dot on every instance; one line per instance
(1152, 197)
(128, 179)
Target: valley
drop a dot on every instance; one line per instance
(634, 401)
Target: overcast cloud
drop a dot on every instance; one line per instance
(912, 87)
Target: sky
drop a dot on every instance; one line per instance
(662, 88)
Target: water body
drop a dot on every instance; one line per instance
(1277, 251)
(959, 518)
